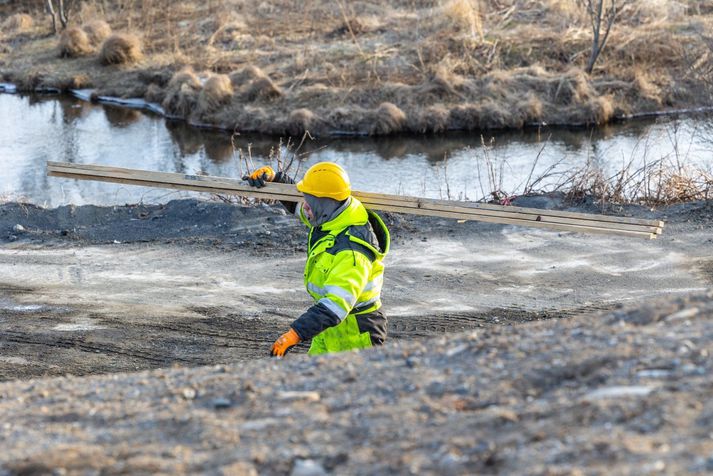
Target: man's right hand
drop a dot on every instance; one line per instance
(260, 176)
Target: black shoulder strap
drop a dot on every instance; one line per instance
(342, 242)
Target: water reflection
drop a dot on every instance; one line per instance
(36, 129)
(121, 116)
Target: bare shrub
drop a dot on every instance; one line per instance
(97, 31)
(602, 15)
(653, 184)
(182, 93)
(18, 22)
(121, 48)
(73, 43)
(217, 91)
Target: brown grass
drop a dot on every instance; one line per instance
(74, 43)
(182, 93)
(302, 120)
(444, 64)
(120, 49)
(97, 31)
(263, 88)
(18, 22)
(216, 92)
(155, 93)
(246, 75)
(388, 118)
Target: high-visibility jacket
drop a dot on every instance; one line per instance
(344, 274)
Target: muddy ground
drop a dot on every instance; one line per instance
(91, 290)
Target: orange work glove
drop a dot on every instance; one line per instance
(260, 176)
(286, 341)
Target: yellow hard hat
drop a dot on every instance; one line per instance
(326, 179)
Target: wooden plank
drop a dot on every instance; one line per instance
(515, 209)
(533, 217)
(366, 197)
(191, 182)
(508, 221)
(429, 207)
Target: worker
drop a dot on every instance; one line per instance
(344, 270)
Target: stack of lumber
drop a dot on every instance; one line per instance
(550, 219)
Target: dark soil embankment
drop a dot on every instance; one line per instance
(622, 393)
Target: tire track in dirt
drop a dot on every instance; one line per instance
(78, 343)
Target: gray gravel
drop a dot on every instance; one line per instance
(621, 393)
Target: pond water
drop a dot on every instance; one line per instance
(37, 129)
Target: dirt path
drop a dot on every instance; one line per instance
(193, 283)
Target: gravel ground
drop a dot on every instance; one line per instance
(513, 351)
(622, 393)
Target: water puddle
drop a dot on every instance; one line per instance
(36, 129)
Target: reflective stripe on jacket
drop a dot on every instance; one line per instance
(344, 269)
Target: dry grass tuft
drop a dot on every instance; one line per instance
(465, 16)
(246, 75)
(263, 88)
(432, 119)
(18, 22)
(121, 48)
(74, 43)
(217, 91)
(155, 93)
(388, 118)
(301, 121)
(182, 94)
(97, 31)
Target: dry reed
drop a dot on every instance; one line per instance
(120, 49)
(74, 43)
(97, 31)
(181, 94)
(216, 92)
(18, 22)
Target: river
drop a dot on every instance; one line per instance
(37, 129)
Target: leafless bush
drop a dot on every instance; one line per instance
(653, 184)
(283, 157)
(602, 14)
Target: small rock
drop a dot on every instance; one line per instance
(189, 393)
(220, 403)
(308, 467)
(308, 396)
(12, 238)
(18, 228)
(240, 468)
(619, 392)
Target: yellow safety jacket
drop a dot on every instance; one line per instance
(344, 274)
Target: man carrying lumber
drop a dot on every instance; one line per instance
(344, 271)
